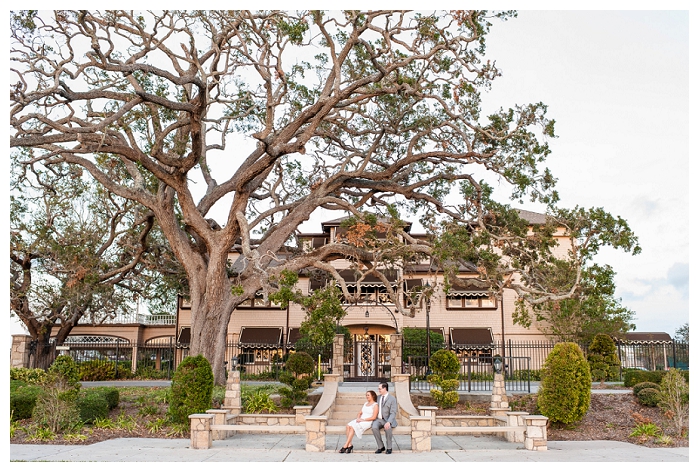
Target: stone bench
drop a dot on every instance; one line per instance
(259, 428)
(421, 430)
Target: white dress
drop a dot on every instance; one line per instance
(361, 426)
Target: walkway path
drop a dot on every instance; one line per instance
(291, 448)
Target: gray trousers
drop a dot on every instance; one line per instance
(376, 428)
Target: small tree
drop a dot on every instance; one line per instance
(604, 362)
(564, 395)
(445, 366)
(192, 389)
(674, 398)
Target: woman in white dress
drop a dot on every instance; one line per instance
(365, 417)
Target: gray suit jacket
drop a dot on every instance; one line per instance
(389, 410)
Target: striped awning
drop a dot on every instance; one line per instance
(463, 287)
(350, 277)
(645, 338)
(255, 337)
(471, 336)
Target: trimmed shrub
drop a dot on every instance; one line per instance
(564, 395)
(111, 394)
(648, 396)
(300, 363)
(640, 386)
(23, 399)
(94, 371)
(92, 405)
(32, 376)
(287, 378)
(65, 367)
(445, 365)
(191, 390)
(603, 359)
(634, 376)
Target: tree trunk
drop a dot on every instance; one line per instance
(211, 311)
(44, 352)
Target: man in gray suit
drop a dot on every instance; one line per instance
(386, 420)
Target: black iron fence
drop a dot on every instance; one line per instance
(524, 360)
(475, 375)
(158, 358)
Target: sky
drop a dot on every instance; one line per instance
(617, 84)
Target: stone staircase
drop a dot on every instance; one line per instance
(347, 405)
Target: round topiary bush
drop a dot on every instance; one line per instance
(191, 390)
(640, 386)
(300, 363)
(445, 364)
(564, 395)
(92, 405)
(649, 397)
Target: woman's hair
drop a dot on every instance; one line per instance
(373, 394)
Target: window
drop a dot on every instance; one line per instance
(258, 302)
(371, 294)
(466, 301)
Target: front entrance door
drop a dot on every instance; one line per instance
(370, 358)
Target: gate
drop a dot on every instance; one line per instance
(369, 360)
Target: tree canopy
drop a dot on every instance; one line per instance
(264, 117)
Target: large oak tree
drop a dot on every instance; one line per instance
(267, 116)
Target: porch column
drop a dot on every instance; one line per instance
(396, 354)
(339, 356)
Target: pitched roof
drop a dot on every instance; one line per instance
(532, 217)
(647, 337)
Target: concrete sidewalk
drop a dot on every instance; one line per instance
(291, 448)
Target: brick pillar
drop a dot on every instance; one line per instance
(498, 399)
(420, 433)
(200, 430)
(535, 439)
(302, 411)
(515, 418)
(339, 355)
(396, 354)
(219, 419)
(19, 354)
(429, 412)
(315, 433)
(232, 400)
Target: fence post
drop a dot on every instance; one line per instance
(116, 359)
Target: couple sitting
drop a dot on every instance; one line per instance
(379, 412)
